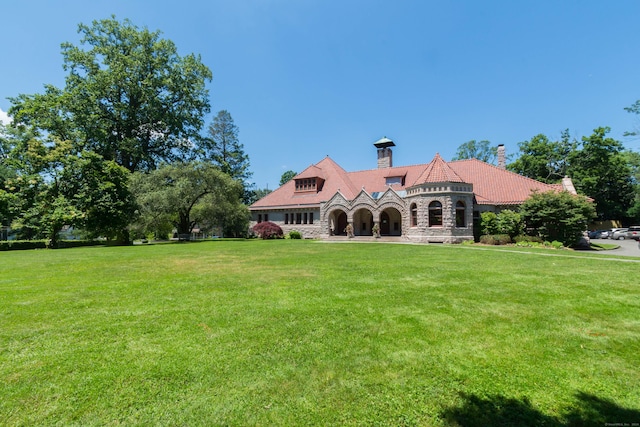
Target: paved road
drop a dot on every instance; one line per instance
(628, 247)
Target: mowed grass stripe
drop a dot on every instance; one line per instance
(303, 333)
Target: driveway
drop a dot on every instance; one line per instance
(628, 247)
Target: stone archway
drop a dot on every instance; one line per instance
(337, 223)
(363, 222)
(390, 222)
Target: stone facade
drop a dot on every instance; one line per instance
(436, 202)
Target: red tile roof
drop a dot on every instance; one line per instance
(491, 185)
(496, 186)
(438, 171)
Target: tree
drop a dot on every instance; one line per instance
(52, 188)
(544, 160)
(222, 147)
(256, 194)
(632, 158)
(129, 97)
(99, 189)
(557, 216)
(7, 171)
(187, 194)
(287, 176)
(600, 171)
(480, 150)
(633, 109)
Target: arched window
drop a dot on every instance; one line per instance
(460, 214)
(435, 214)
(414, 215)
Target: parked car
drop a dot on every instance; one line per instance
(634, 232)
(599, 234)
(618, 233)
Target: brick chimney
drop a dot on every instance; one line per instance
(502, 158)
(385, 159)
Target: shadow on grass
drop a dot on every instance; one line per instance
(587, 411)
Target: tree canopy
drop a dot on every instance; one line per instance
(287, 176)
(481, 150)
(543, 159)
(600, 170)
(222, 147)
(189, 194)
(557, 216)
(129, 97)
(599, 166)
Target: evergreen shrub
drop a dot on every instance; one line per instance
(295, 234)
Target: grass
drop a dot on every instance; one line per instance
(306, 333)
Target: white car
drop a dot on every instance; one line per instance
(618, 233)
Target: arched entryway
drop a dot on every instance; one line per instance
(363, 222)
(338, 223)
(390, 222)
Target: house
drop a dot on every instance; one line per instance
(433, 202)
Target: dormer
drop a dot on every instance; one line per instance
(395, 177)
(310, 180)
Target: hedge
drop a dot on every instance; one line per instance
(19, 245)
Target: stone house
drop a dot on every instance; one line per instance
(433, 202)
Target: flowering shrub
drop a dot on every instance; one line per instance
(268, 230)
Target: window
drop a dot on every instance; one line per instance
(306, 217)
(310, 217)
(414, 215)
(306, 184)
(286, 218)
(266, 217)
(460, 214)
(299, 218)
(391, 180)
(259, 218)
(435, 214)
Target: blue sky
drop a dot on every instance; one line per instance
(304, 78)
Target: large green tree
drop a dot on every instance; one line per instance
(53, 188)
(543, 159)
(633, 109)
(481, 150)
(222, 147)
(557, 216)
(100, 190)
(633, 161)
(189, 194)
(7, 171)
(600, 170)
(128, 97)
(287, 176)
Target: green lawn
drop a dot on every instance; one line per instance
(288, 332)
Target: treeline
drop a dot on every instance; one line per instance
(119, 152)
(600, 167)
